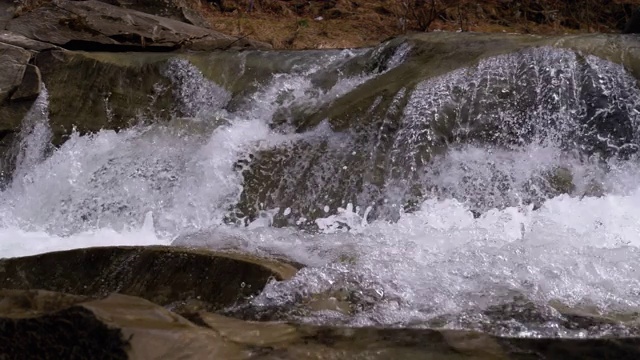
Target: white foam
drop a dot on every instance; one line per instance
(16, 242)
(102, 189)
(441, 260)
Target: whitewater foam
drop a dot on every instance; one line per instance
(164, 184)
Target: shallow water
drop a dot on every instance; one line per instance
(472, 239)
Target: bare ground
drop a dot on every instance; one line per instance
(299, 24)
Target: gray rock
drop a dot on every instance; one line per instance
(94, 25)
(31, 85)
(10, 38)
(14, 62)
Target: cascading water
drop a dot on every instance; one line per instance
(472, 196)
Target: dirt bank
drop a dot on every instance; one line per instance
(299, 24)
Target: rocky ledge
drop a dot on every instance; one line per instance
(37, 39)
(161, 303)
(96, 25)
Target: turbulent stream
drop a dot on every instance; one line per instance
(474, 199)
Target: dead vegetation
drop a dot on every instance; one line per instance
(340, 23)
(300, 24)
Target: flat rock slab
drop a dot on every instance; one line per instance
(117, 327)
(181, 279)
(56, 325)
(298, 341)
(24, 42)
(95, 25)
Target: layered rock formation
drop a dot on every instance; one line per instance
(36, 323)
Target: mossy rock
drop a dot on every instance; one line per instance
(181, 279)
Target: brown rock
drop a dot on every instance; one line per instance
(55, 325)
(37, 324)
(61, 326)
(185, 280)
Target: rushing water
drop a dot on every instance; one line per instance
(488, 225)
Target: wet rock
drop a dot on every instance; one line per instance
(14, 63)
(385, 147)
(54, 325)
(29, 303)
(28, 329)
(296, 341)
(7, 139)
(59, 325)
(561, 180)
(173, 277)
(117, 90)
(95, 25)
(30, 86)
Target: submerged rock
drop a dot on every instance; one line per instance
(177, 278)
(295, 341)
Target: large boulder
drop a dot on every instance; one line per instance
(179, 278)
(452, 90)
(95, 25)
(115, 91)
